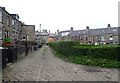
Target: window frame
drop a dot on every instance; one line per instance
(86, 38)
(102, 38)
(81, 38)
(1, 14)
(8, 21)
(0, 33)
(13, 23)
(6, 33)
(110, 38)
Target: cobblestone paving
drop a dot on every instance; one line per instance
(44, 66)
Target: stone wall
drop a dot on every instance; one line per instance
(29, 31)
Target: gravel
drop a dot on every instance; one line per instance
(47, 67)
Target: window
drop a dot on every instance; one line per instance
(17, 26)
(81, 38)
(20, 28)
(111, 42)
(16, 35)
(6, 33)
(111, 38)
(103, 38)
(0, 16)
(86, 38)
(23, 37)
(0, 34)
(114, 29)
(116, 42)
(13, 23)
(8, 20)
(13, 35)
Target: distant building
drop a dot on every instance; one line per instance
(41, 37)
(63, 35)
(109, 35)
(53, 36)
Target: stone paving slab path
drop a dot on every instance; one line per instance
(42, 65)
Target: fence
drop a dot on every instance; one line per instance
(3, 55)
(11, 54)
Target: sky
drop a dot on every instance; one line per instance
(64, 14)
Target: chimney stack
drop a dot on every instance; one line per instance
(49, 31)
(87, 28)
(108, 26)
(58, 31)
(71, 28)
(3, 8)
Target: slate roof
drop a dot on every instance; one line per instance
(95, 32)
(113, 30)
(63, 32)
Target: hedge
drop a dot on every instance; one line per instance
(101, 55)
(64, 47)
(110, 52)
(70, 48)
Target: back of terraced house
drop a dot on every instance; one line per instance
(100, 36)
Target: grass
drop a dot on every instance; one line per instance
(88, 60)
(44, 51)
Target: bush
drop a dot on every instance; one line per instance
(7, 40)
(63, 47)
(87, 45)
(104, 51)
(73, 51)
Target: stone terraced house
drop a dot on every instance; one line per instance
(64, 35)
(10, 26)
(41, 37)
(101, 36)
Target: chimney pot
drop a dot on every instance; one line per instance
(58, 31)
(49, 31)
(71, 28)
(87, 27)
(108, 26)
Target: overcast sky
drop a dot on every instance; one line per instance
(64, 14)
